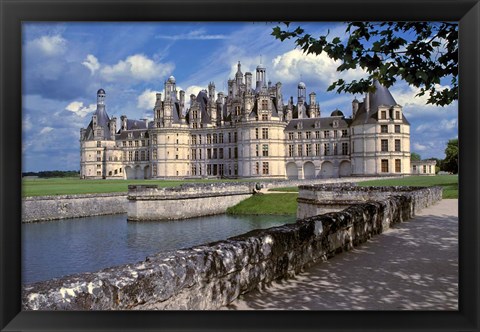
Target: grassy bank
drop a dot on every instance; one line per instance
(70, 186)
(284, 204)
(448, 182)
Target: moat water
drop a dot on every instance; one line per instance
(64, 247)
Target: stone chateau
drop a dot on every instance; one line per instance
(248, 133)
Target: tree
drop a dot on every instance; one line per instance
(451, 156)
(420, 53)
(415, 156)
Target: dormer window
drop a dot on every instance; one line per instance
(300, 125)
(317, 124)
(130, 135)
(335, 124)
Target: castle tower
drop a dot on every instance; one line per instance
(261, 77)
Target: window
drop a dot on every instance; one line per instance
(397, 145)
(290, 136)
(398, 166)
(384, 165)
(299, 150)
(264, 117)
(257, 168)
(264, 104)
(124, 143)
(335, 133)
(265, 150)
(220, 153)
(326, 149)
(345, 149)
(290, 150)
(209, 139)
(335, 150)
(308, 150)
(194, 139)
(209, 153)
(256, 133)
(130, 143)
(235, 136)
(200, 156)
(265, 133)
(397, 114)
(384, 129)
(99, 166)
(424, 168)
(326, 134)
(99, 144)
(143, 142)
(317, 134)
(397, 129)
(344, 132)
(383, 115)
(256, 150)
(384, 145)
(317, 149)
(194, 169)
(229, 137)
(235, 153)
(130, 155)
(154, 139)
(265, 168)
(215, 153)
(142, 155)
(220, 138)
(136, 155)
(136, 143)
(308, 134)
(215, 138)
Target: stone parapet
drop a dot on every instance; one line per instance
(186, 201)
(213, 275)
(318, 199)
(43, 208)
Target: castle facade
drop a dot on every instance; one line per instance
(247, 133)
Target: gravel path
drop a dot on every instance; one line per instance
(413, 266)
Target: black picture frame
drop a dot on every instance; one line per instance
(14, 12)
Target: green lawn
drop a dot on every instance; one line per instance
(66, 186)
(448, 182)
(284, 204)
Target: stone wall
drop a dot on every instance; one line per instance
(44, 208)
(318, 199)
(186, 201)
(213, 275)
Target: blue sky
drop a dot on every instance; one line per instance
(64, 64)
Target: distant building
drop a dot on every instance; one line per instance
(248, 133)
(424, 167)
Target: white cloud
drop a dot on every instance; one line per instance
(147, 99)
(49, 45)
(138, 67)
(199, 34)
(91, 62)
(26, 123)
(45, 130)
(80, 110)
(295, 64)
(419, 147)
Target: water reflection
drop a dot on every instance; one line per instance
(57, 248)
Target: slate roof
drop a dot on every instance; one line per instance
(380, 97)
(325, 123)
(103, 120)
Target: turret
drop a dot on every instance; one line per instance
(302, 92)
(248, 82)
(123, 119)
(355, 104)
(261, 77)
